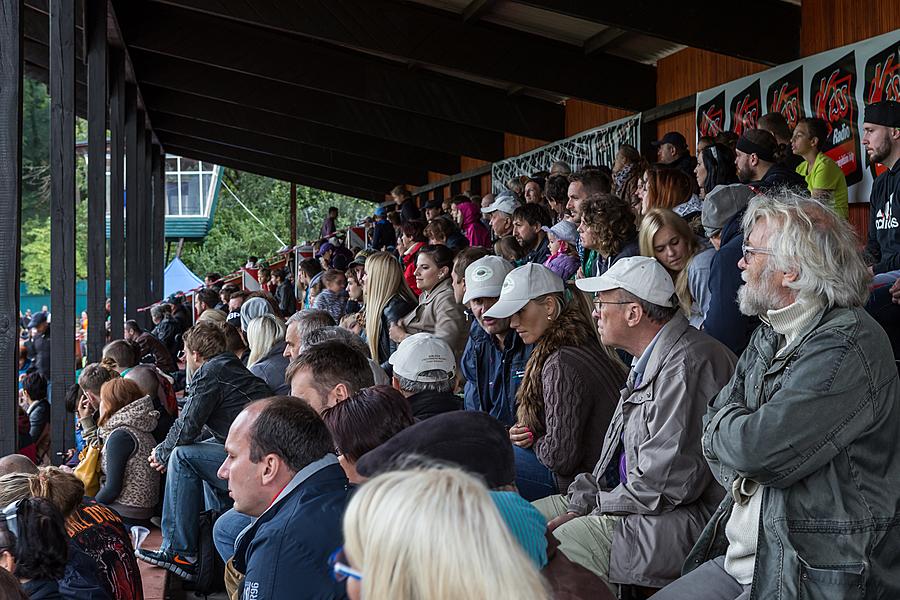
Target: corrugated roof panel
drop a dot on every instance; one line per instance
(643, 48)
(544, 23)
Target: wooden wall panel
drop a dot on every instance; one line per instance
(433, 176)
(467, 163)
(514, 145)
(690, 71)
(827, 24)
(581, 115)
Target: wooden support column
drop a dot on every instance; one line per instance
(62, 221)
(95, 23)
(116, 191)
(11, 72)
(147, 234)
(158, 158)
(293, 214)
(133, 142)
(475, 186)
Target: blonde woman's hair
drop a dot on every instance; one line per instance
(651, 223)
(468, 553)
(384, 280)
(64, 490)
(264, 333)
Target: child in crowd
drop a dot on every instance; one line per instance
(563, 259)
(333, 298)
(509, 248)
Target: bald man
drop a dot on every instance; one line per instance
(17, 463)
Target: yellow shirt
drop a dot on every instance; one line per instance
(826, 175)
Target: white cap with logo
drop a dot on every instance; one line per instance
(642, 276)
(521, 285)
(423, 352)
(484, 277)
(504, 202)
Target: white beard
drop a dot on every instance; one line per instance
(757, 298)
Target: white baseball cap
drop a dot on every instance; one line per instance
(640, 275)
(484, 277)
(504, 202)
(420, 353)
(566, 231)
(521, 285)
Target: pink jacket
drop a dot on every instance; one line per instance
(472, 227)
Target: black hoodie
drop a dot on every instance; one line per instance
(883, 246)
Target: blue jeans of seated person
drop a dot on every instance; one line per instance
(226, 531)
(534, 480)
(190, 471)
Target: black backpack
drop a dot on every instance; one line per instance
(210, 567)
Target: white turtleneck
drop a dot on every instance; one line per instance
(742, 529)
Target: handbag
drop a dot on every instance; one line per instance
(88, 470)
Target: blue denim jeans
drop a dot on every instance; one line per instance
(534, 480)
(226, 530)
(189, 468)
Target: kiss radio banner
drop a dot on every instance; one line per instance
(835, 85)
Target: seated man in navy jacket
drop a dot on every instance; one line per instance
(281, 469)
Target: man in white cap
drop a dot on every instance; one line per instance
(501, 212)
(636, 517)
(425, 373)
(494, 360)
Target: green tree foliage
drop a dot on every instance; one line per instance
(235, 235)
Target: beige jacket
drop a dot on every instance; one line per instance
(669, 493)
(440, 314)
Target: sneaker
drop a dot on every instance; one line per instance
(171, 561)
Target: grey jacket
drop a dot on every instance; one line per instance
(818, 427)
(670, 493)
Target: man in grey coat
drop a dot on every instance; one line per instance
(806, 435)
(635, 518)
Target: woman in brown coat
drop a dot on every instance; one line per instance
(571, 383)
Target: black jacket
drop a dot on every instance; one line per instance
(38, 417)
(883, 246)
(724, 320)
(384, 235)
(167, 331)
(287, 302)
(429, 404)
(779, 176)
(685, 163)
(409, 211)
(219, 390)
(41, 344)
(395, 309)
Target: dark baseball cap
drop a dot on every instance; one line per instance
(38, 319)
(672, 137)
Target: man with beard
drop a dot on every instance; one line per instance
(494, 360)
(583, 185)
(805, 438)
(757, 161)
(881, 137)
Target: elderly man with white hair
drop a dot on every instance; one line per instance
(805, 437)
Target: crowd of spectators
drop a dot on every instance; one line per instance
(676, 379)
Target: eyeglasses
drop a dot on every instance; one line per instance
(340, 571)
(749, 251)
(598, 303)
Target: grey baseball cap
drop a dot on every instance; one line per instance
(722, 204)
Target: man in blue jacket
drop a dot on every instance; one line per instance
(281, 469)
(723, 210)
(494, 360)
